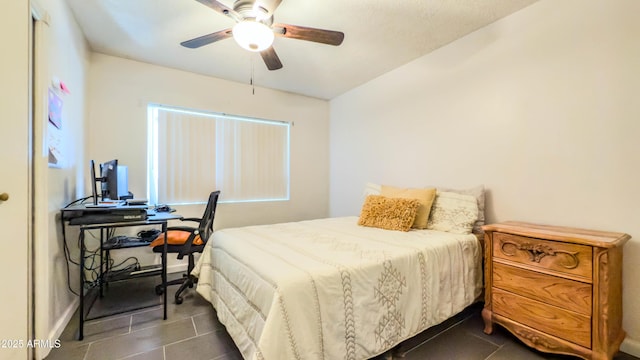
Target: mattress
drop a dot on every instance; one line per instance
(330, 289)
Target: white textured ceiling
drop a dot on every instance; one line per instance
(379, 36)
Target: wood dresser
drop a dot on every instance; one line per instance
(557, 289)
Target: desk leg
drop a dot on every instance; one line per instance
(81, 327)
(164, 270)
(101, 278)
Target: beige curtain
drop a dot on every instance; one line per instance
(196, 153)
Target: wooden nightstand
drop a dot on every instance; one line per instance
(557, 289)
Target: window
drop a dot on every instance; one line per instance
(192, 153)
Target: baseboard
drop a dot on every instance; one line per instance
(177, 268)
(58, 327)
(62, 322)
(631, 347)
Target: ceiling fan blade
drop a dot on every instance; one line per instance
(221, 8)
(207, 39)
(271, 59)
(328, 37)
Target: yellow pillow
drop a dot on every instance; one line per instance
(387, 213)
(175, 237)
(424, 196)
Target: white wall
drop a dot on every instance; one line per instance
(64, 55)
(120, 90)
(540, 107)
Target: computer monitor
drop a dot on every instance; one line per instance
(94, 181)
(109, 174)
(123, 183)
(114, 184)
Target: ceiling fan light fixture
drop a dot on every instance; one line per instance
(252, 35)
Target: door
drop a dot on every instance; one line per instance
(15, 22)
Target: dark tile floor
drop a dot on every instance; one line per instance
(192, 331)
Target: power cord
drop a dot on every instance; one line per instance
(92, 264)
(78, 200)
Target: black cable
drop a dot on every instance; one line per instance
(135, 264)
(92, 279)
(90, 261)
(93, 272)
(67, 257)
(113, 267)
(127, 269)
(91, 267)
(67, 251)
(78, 200)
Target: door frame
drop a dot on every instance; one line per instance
(16, 212)
(39, 252)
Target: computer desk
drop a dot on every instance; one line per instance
(91, 218)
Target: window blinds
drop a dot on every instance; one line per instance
(192, 153)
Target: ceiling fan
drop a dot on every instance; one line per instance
(255, 29)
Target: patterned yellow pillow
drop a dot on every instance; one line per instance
(388, 213)
(424, 196)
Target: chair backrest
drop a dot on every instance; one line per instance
(205, 228)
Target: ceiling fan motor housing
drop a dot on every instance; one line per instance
(259, 10)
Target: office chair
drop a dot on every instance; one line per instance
(185, 241)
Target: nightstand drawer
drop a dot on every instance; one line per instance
(553, 290)
(560, 257)
(552, 320)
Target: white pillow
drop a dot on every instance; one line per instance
(371, 189)
(452, 212)
(478, 192)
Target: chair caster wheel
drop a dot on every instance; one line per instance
(179, 300)
(159, 290)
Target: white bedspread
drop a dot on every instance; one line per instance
(330, 289)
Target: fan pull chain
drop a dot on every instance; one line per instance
(253, 87)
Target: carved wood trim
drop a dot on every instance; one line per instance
(541, 341)
(538, 251)
(488, 268)
(601, 301)
(537, 341)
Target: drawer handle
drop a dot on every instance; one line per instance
(538, 251)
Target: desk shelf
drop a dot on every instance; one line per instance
(149, 270)
(130, 243)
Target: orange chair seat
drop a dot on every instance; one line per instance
(175, 237)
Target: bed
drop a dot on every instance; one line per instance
(332, 289)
